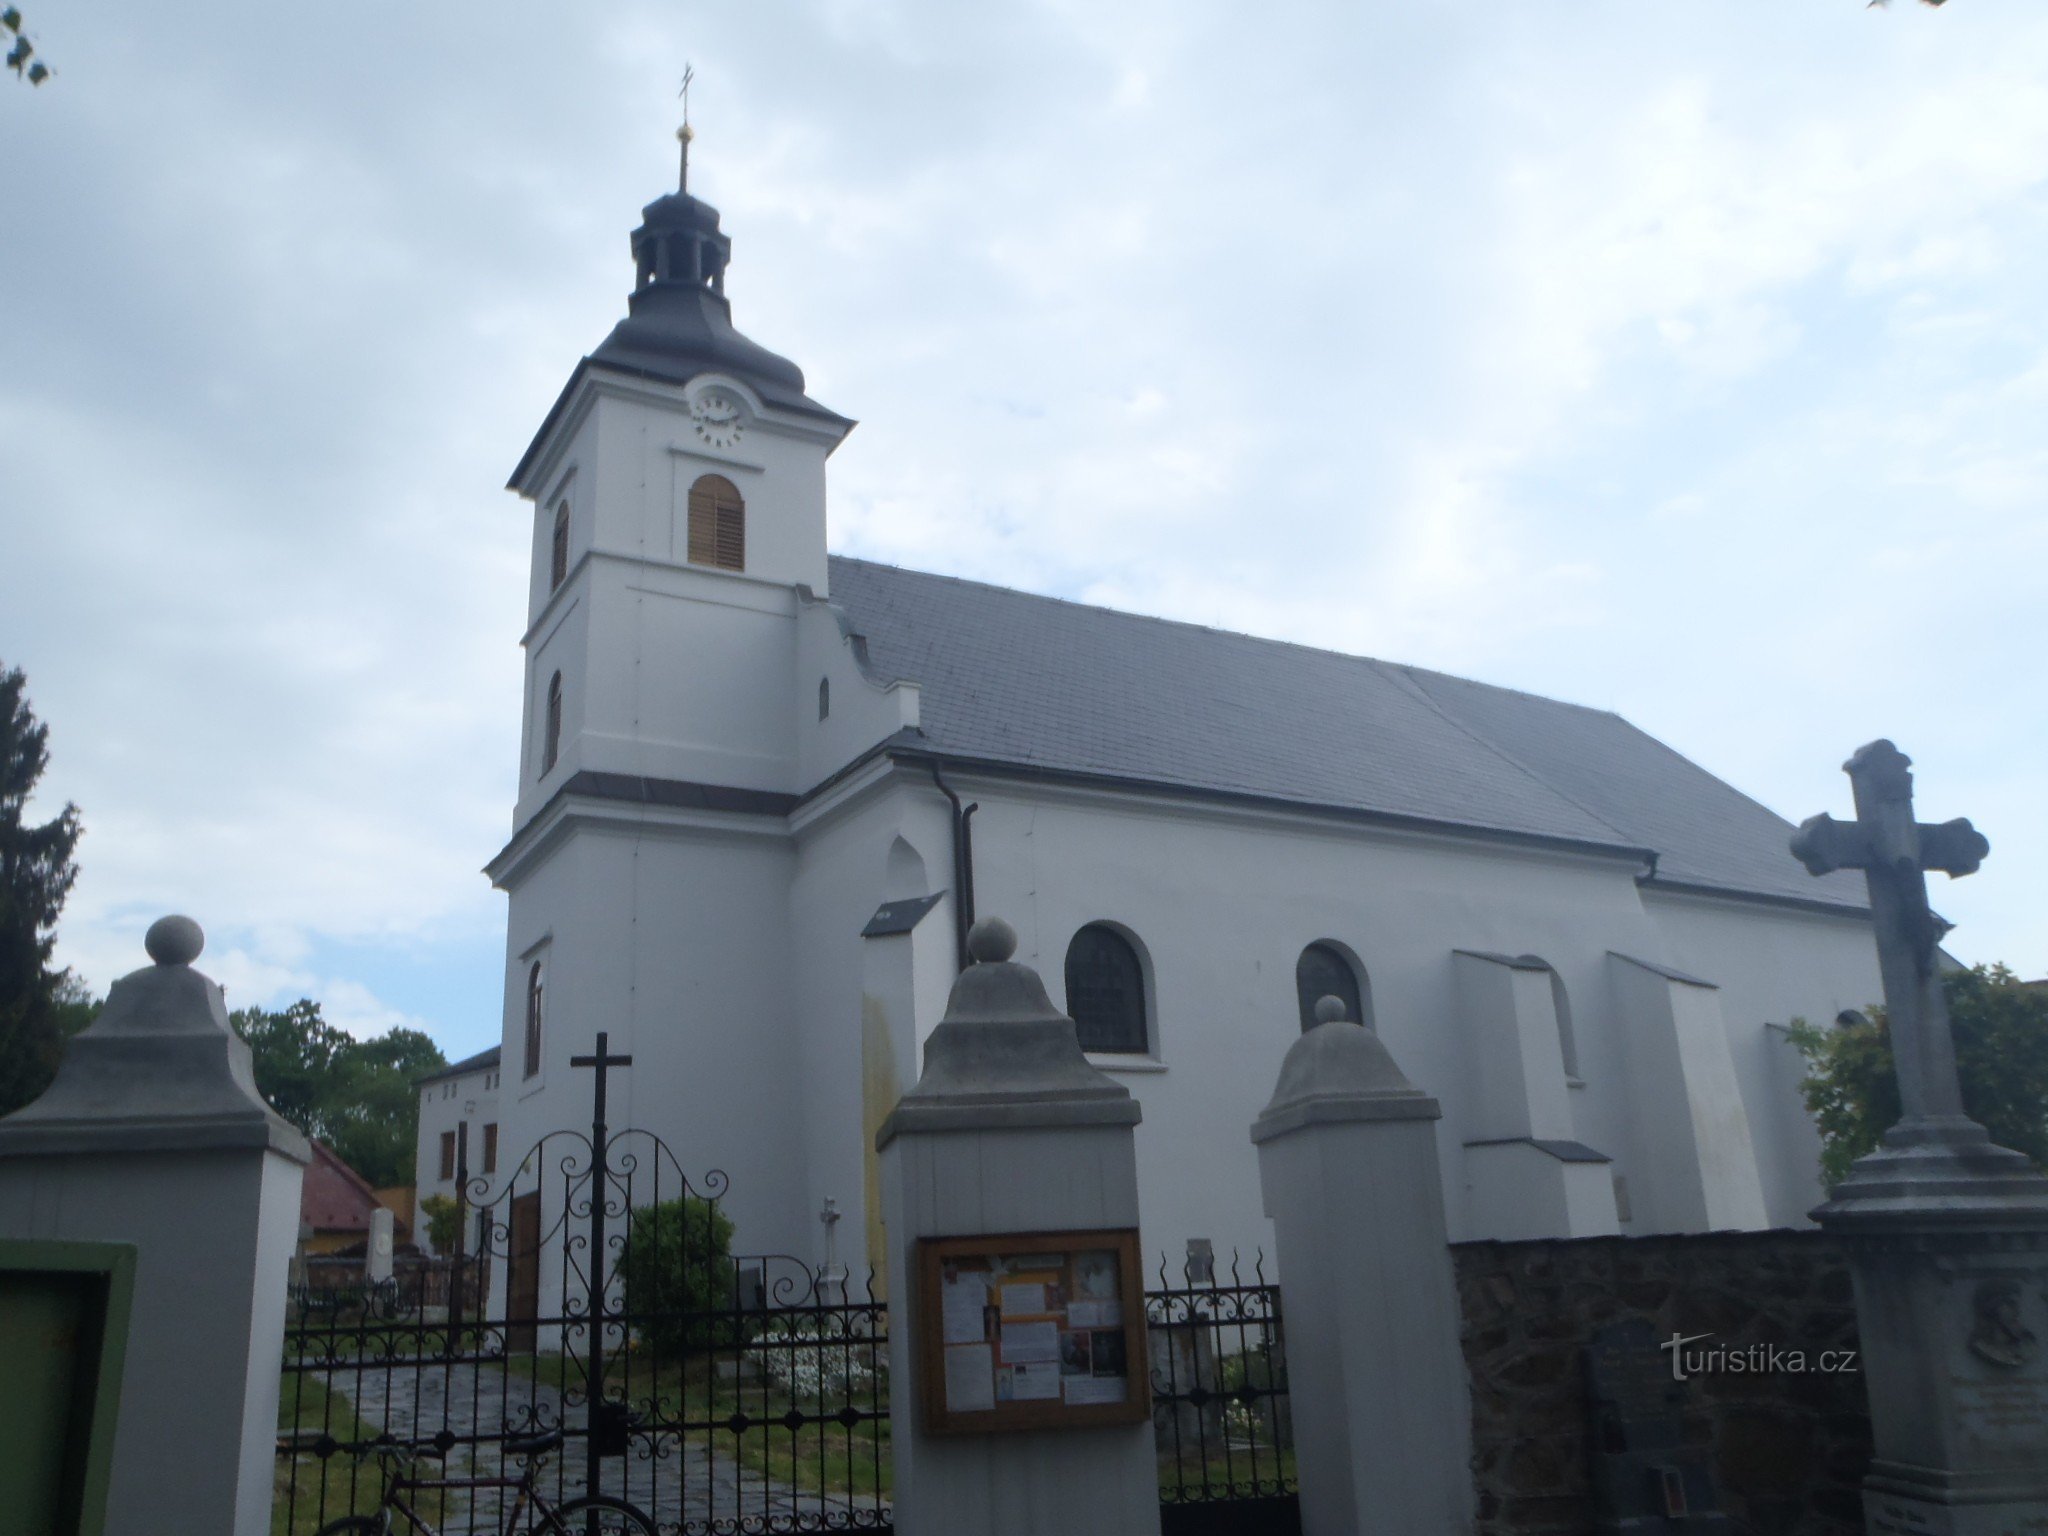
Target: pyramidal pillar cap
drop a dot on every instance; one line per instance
(160, 1069)
(1003, 1058)
(1337, 1072)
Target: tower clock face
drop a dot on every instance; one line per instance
(717, 417)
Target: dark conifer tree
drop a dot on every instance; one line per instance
(36, 872)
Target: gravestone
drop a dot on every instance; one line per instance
(1645, 1477)
(1947, 1233)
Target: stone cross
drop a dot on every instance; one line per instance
(1895, 852)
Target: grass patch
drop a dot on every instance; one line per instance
(832, 1459)
(307, 1407)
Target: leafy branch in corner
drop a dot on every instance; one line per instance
(21, 52)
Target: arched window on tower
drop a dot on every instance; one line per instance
(533, 1019)
(551, 729)
(558, 550)
(1561, 1005)
(1325, 970)
(1106, 991)
(718, 524)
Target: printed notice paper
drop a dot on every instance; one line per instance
(1034, 1383)
(1093, 1389)
(1031, 1341)
(970, 1378)
(1023, 1299)
(1095, 1314)
(962, 1307)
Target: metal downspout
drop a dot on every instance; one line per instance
(963, 866)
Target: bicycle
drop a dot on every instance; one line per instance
(593, 1515)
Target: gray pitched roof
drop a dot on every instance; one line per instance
(485, 1060)
(1038, 682)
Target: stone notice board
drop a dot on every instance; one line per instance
(1041, 1330)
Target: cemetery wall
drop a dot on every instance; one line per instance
(1787, 1448)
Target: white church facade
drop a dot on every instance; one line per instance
(743, 847)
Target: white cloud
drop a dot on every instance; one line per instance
(1681, 363)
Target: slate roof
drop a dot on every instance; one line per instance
(1037, 682)
(485, 1060)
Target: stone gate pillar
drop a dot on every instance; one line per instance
(153, 1136)
(1376, 1375)
(1008, 1131)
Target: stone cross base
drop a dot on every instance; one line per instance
(1954, 1331)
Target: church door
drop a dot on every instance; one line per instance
(522, 1278)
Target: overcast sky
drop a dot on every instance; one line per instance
(1682, 359)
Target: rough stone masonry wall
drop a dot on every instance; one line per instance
(1788, 1450)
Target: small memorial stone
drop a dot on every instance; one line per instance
(1645, 1478)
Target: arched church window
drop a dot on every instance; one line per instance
(1561, 1005)
(551, 737)
(533, 1019)
(824, 697)
(1323, 971)
(1106, 991)
(558, 553)
(718, 524)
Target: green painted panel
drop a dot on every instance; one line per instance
(64, 1310)
(52, 1325)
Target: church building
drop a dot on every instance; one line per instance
(764, 788)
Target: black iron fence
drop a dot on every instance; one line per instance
(1221, 1413)
(620, 1352)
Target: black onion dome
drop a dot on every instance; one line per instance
(679, 322)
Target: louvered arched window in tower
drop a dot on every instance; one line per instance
(551, 727)
(718, 524)
(533, 1019)
(558, 549)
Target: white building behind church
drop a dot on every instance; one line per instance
(736, 849)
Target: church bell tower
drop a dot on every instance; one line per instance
(678, 491)
(677, 488)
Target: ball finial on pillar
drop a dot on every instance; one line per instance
(174, 940)
(991, 941)
(1329, 1009)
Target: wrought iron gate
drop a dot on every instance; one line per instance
(1221, 1412)
(714, 1394)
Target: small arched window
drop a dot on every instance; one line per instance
(1561, 1005)
(718, 524)
(1325, 971)
(551, 729)
(558, 550)
(533, 1019)
(824, 697)
(1106, 991)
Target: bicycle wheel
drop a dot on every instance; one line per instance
(353, 1525)
(615, 1517)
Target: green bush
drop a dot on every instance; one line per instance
(2001, 1035)
(444, 1216)
(681, 1289)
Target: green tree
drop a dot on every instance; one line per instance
(2001, 1035)
(444, 1216)
(680, 1286)
(375, 1109)
(355, 1095)
(36, 873)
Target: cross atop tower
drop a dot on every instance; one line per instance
(685, 133)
